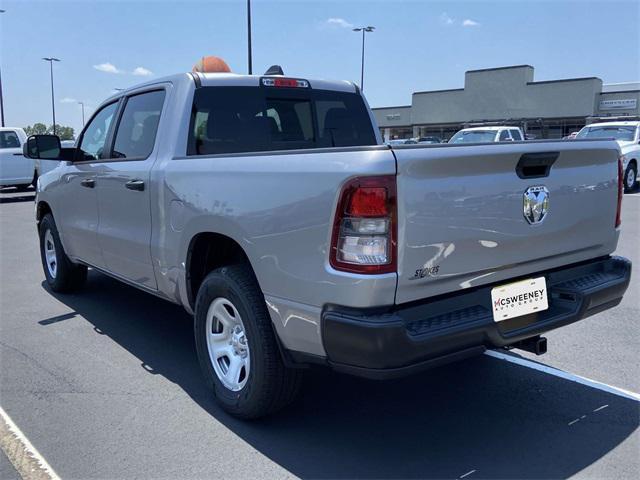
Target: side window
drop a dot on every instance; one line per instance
(95, 135)
(515, 134)
(136, 134)
(504, 136)
(9, 139)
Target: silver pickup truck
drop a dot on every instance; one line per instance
(270, 208)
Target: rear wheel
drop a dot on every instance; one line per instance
(630, 177)
(61, 273)
(237, 349)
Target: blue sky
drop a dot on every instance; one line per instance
(417, 45)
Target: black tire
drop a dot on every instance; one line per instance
(270, 385)
(628, 186)
(69, 276)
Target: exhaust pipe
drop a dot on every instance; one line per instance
(537, 345)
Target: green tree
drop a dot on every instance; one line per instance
(64, 132)
(36, 129)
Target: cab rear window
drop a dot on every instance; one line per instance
(250, 119)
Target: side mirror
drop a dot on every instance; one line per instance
(44, 147)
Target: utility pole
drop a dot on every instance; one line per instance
(249, 36)
(364, 30)
(82, 105)
(53, 104)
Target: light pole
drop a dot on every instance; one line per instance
(249, 36)
(53, 105)
(1, 101)
(82, 105)
(364, 30)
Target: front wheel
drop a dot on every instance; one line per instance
(630, 177)
(236, 345)
(61, 273)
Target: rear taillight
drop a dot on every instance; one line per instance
(620, 192)
(364, 229)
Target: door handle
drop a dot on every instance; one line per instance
(88, 182)
(135, 185)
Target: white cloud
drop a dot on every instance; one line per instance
(142, 72)
(68, 100)
(107, 68)
(339, 22)
(470, 23)
(445, 19)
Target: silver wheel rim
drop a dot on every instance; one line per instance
(631, 178)
(227, 344)
(50, 256)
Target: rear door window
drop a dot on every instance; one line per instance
(504, 136)
(136, 134)
(256, 119)
(515, 134)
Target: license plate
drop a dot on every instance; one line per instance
(519, 298)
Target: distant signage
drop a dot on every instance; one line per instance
(393, 116)
(620, 104)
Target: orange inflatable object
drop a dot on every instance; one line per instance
(211, 64)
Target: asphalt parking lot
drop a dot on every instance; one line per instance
(105, 384)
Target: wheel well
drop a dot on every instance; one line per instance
(42, 210)
(633, 161)
(208, 251)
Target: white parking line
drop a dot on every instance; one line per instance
(29, 463)
(565, 375)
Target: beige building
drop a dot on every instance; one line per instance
(509, 95)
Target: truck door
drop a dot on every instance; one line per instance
(124, 230)
(77, 219)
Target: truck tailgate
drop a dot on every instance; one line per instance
(461, 216)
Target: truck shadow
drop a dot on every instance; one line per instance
(482, 418)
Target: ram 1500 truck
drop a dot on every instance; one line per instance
(269, 207)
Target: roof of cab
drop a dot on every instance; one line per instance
(490, 128)
(234, 80)
(625, 123)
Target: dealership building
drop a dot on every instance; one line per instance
(509, 95)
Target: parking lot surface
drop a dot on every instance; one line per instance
(105, 384)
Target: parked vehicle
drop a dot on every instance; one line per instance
(627, 135)
(15, 169)
(270, 209)
(398, 141)
(429, 140)
(488, 135)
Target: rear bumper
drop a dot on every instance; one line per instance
(400, 340)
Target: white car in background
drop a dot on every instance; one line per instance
(502, 133)
(627, 135)
(15, 169)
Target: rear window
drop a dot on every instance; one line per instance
(9, 139)
(618, 132)
(473, 136)
(250, 119)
